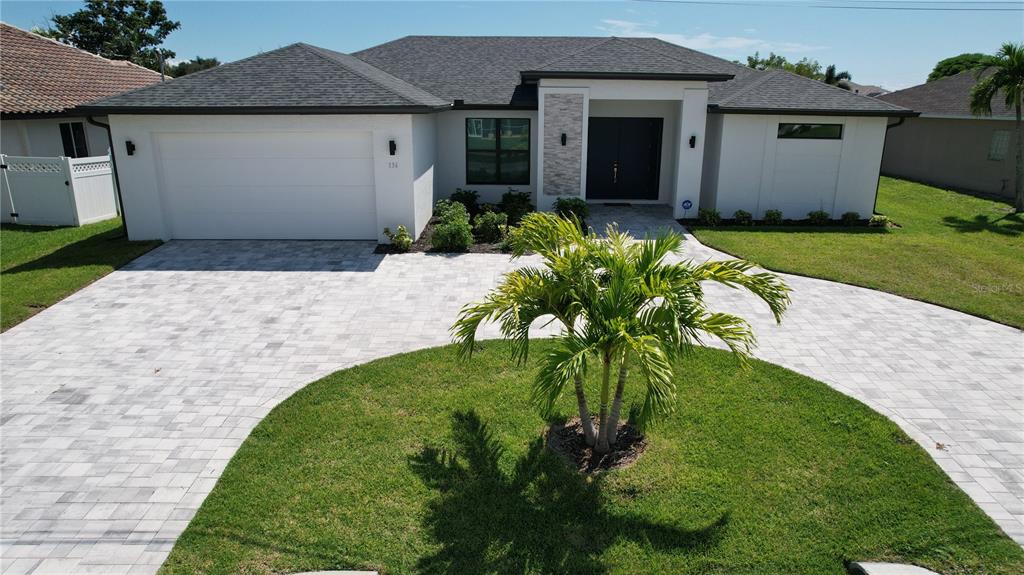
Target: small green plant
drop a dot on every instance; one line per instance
(453, 232)
(490, 227)
(400, 239)
(516, 205)
(447, 210)
(850, 218)
(709, 217)
(573, 208)
(743, 217)
(878, 221)
(818, 217)
(468, 198)
(510, 237)
(773, 217)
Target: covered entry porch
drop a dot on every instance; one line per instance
(618, 141)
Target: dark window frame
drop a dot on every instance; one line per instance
(74, 140)
(500, 180)
(780, 136)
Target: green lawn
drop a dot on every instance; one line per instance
(39, 266)
(954, 250)
(420, 463)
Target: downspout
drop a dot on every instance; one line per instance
(878, 184)
(113, 169)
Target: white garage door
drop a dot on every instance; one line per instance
(268, 185)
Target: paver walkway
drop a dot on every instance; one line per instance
(122, 404)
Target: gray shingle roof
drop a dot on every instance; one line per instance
(784, 92)
(949, 96)
(621, 56)
(298, 77)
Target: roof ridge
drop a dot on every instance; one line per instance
(705, 54)
(331, 57)
(69, 46)
(843, 90)
(764, 76)
(573, 53)
(669, 56)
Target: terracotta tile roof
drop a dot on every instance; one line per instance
(39, 75)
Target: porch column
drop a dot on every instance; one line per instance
(561, 160)
(690, 161)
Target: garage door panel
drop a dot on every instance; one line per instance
(262, 145)
(268, 185)
(286, 172)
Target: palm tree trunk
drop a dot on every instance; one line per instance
(606, 371)
(611, 431)
(585, 421)
(1019, 184)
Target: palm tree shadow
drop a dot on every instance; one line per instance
(1014, 225)
(541, 517)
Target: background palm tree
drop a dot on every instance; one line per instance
(834, 78)
(1004, 74)
(621, 305)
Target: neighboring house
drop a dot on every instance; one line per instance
(863, 89)
(949, 146)
(303, 142)
(43, 81)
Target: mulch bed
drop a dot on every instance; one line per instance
(566, 439)
(422, 245)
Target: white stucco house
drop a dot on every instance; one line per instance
(303, 142)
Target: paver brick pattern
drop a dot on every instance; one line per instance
(122, 404)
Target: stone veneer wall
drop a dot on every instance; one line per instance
(563, 114)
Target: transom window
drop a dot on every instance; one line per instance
(497, 150)
(811, 131)
(72, 135)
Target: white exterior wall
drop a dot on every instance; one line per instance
(142, 179)
(756, 171)
(424, 164)
(41, 137)
(450, 169)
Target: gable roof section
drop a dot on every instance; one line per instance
(782, 92)
(622, 58)
(949, 96)
(42, 76)
(295, 79)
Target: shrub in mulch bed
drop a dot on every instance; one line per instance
(566, 440)
(423, 244)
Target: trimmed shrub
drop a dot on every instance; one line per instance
(453, 233)
(709, 217)
(878, 221)
(400, 239)
(490, 227)
(570, 208)
(743, 217)
(850, 218)
(516, 205)
(467, 198)
(447, 210)
(773, 217)
(818, 217)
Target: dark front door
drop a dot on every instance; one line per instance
(623, 158)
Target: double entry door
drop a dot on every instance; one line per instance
(623, 158)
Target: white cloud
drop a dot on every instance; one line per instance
(705, 41)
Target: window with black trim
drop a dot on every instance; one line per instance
(72, 135)
(497, 150)
(811, 131)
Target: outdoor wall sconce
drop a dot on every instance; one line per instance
(392, 147)
(693, 141)
(563, 138)
(130, 147)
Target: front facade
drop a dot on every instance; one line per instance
(947, 145)
(303, 142)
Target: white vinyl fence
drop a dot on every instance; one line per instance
(56, 191)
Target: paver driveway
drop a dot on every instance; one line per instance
(122, 404)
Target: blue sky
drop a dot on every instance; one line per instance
(893, 49)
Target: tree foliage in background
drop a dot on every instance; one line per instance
(194, 65)
(956, 64)
(117, 29)
(1004, 74)
(803, 67)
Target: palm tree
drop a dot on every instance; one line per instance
(833, 78)
(1005, 73)
(621, 305)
